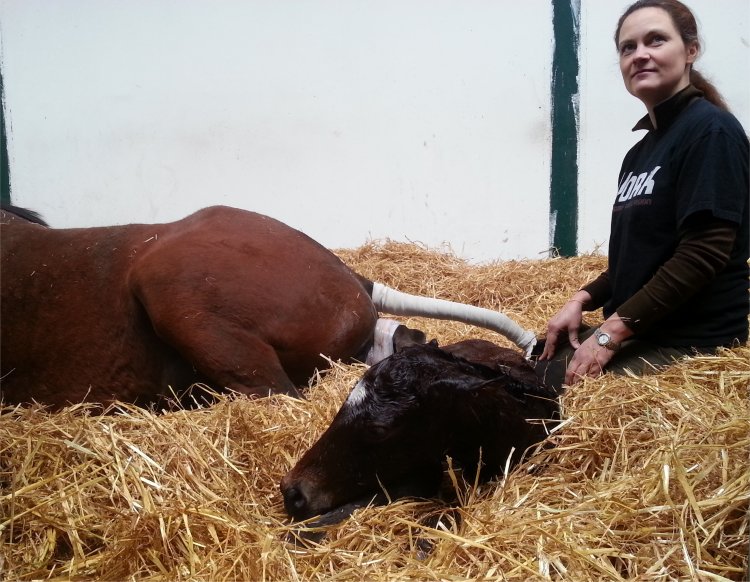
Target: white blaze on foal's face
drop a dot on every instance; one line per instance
(355, 399)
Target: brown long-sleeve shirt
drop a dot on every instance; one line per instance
(704, 247)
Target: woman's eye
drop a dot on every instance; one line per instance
(626, 49)
(657, 40)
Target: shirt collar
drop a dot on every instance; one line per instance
(668, 110)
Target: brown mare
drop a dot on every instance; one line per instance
(226, 297)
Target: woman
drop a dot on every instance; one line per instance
(677, 276)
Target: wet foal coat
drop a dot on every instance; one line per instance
(476, 402)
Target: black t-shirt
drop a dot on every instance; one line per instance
(695, 161)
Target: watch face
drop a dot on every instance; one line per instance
(602, 338)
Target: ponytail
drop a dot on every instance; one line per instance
(710, 92)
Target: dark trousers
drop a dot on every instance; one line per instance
(635, 356)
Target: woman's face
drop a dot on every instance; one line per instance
(654, 61)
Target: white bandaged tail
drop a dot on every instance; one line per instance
(399, 303)
(382, 345)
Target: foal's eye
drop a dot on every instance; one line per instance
(377, 432)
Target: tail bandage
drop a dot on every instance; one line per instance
(382, 346)
(398, 303)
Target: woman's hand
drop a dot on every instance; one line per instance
(590, 358)
(566, 321)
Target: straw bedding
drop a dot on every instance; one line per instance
(649, 478)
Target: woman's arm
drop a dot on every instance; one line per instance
(704, 249)
(705, 245)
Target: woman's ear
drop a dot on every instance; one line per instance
(693, 51)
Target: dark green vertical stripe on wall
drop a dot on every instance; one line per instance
(564, 162)
(4, 165)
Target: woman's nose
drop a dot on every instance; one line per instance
(641, 53)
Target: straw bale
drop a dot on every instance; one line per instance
(649, 477)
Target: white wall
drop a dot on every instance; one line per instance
(422, 120)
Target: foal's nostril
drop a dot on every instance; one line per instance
(295, 502)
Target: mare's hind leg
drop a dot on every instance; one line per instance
(225, 353)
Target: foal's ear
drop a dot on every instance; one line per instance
(404, 337)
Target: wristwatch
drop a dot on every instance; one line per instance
(605, 340)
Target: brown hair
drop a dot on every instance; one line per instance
(685, 23)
